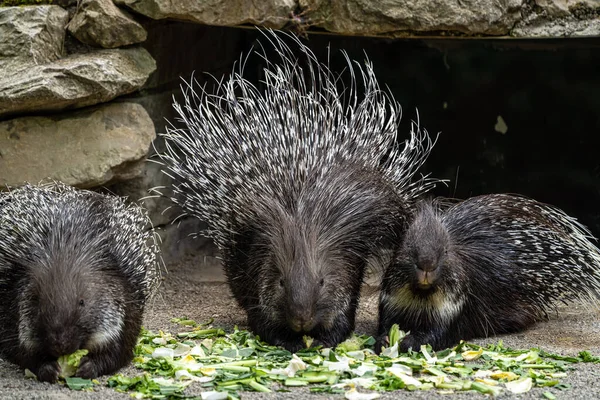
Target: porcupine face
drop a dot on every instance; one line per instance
(313, 255)
(424, 283)
(421, 265)
(301, 286)
(73, 296)
(70, 307)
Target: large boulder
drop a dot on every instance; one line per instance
(271, 13)
(86, 148)
(367, 17)
(76, 81)
(102, 24)
(36, 35)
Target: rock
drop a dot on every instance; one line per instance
(161, 209)
(100, 23)
(554, 7)
(564, 27)
(36, 35)
(85, 148)
(272, 13)
(367, 17)
(561, 8)
(560, 18)
(76, 81)
(181, 238)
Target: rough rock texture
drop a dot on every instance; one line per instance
(494, 17)
(85, 148)
(272, 13)
(36, 35)
(100, 23)
(395, 18)
(178, 233)
(568, 27)
(180, 239)
(76, 81)
(560, 18)
(161, 209)
(562, 8)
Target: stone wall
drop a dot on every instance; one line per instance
(392, 18)
(43, 133)
(86, 86)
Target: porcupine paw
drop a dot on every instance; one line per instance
(88, 368)
(381, 341)
(290, 345)
(413, 342)
(48, 372)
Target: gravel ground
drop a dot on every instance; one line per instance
(195, 288)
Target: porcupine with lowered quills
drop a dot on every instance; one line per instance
(76, 268)
(294, 187)
(488, 265)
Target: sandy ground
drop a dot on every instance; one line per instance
(195, 288)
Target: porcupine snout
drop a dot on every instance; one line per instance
(62, 340)
(301, 318)
(427, 271)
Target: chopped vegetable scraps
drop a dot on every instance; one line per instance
(69, 363)
(224, 364)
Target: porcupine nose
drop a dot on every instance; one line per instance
(427, 272)
(302, 320)
(62, 342)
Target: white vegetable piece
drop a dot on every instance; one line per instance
(182, 374)
(407, 379)
(296, 364)
(163, 352)
(181, 350)
(364, 368)
(405, 369)
(391, 352)
(352, 394)
(214, 395)
(520, 386)
(343, 365)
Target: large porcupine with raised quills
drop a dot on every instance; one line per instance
(300, 183)
(76, 268)
(488, 265)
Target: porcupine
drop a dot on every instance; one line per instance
(297, 185)
(488, 265)
(76, 270)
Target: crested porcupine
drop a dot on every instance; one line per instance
(76, 268)
(300, 183)
(488, 265)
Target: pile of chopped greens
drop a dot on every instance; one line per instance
(225, 364)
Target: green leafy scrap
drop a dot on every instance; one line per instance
(69, 363)
(76, 383)
(226, 363)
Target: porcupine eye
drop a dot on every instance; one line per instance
(322, 282)
(281, 283)
(81, 303)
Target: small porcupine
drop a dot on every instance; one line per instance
(488, 265)
(300, 184)
(76, 268)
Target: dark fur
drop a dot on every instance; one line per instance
(67, 282)
(292, 179)
(503, 262)
(298, 268)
